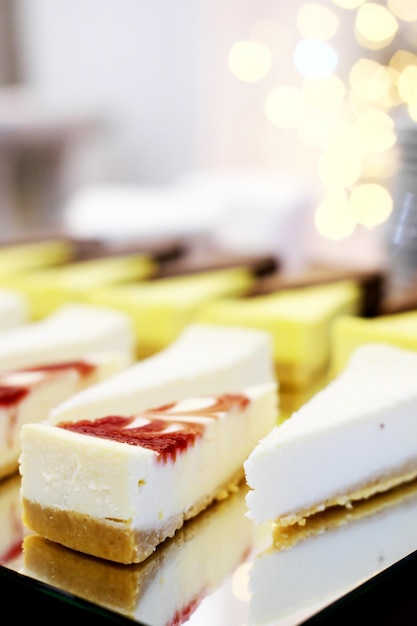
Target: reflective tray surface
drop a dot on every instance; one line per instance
(222, 569)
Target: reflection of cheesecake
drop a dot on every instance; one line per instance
(350, 332)
(12, 530)
(205, 359)
(52, 287)
(160, 309)
(14, 309)
(352, 439)
(167, 587)
(298, 320)
(116, 487)
(310, 566)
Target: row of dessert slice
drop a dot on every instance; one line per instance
(110, 476)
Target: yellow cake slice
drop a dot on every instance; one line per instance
(49, 288)
(116, 487)
(299, 322)
(162, 308)
(25, 256)
(349, 332)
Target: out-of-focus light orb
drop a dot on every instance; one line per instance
(327, 93)
(369, 80)
(340, 167)
(314, 126)
(274, 35)
(249, 61)
(333, 218)
(375, 26)
(375, 130)
(412, 111)
(342, 137)
(407, 84)
(401, 59)
(405, 10)
(315, 59)
(315, 21)
(348, 4)
(379, 165)
(371, 204)
(283, 106)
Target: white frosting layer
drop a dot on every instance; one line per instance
(69, 333)
(107, 479)
(205, 359)
(362, 426)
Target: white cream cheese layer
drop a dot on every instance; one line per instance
(360, 428)
(205, 359)
(108, 479)
(69, 333)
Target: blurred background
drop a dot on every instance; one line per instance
(205, 114)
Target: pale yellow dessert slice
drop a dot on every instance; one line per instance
(350, 332)
(299, 322)
(162, 308)
(49, 288)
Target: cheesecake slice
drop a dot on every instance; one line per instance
(68, 334)
(27, 395)
(350, 332)
(205, 359)
(115, 487)
(14, 309)
(354, 438)
(172, 585)
(298, 320)
(49, 288)
(160, 309)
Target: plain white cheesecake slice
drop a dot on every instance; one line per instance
(14, 309)
(354, 438)
(205, 359)
(69, 333)
(27, 395)
(116, 487)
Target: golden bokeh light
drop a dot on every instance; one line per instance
(371, 204)
(370, 80)
(327, 93)
(274, 35)
(283, 106)
(375, 26)
(401, 59)
(407, 85)
(405, 10)
(348, 4)
(315, 21)
(375, 130)
(315, 126)
(249, 61)
(379, 165)
(340, 167)
(333, 218)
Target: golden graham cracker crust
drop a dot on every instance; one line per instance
(114, 540)
(405, 474)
